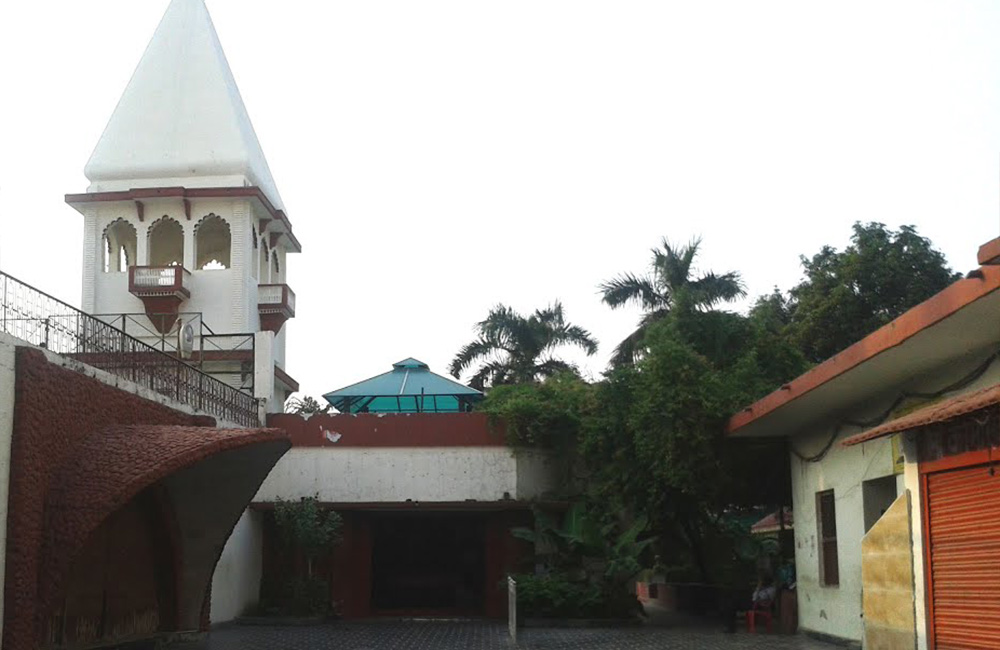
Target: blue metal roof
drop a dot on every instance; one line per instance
(410, 387)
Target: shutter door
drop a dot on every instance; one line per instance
(964, 532)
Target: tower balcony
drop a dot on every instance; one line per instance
(275, 304)
(162, 289)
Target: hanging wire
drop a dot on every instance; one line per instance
(978, 372)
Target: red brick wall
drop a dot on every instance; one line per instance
(120, 581)
(81, 452)
(54, 408)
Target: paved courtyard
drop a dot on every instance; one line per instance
(469, 635)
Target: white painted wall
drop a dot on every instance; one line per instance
(7, 357)
(236, 582)
(833, 610)
(393, 475)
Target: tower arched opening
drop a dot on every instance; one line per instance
(119, 246)
(166, 243)
(213, 243)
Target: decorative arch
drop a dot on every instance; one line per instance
(166, 242)
(119, 248)
(212, 243)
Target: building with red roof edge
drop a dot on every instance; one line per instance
(895, 462)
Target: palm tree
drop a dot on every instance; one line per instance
(658, 292)
(513, 349)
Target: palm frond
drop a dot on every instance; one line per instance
(672, 265)
(469, 354)
(628, 288)
(711, 289)
(492, 373)
(552, 366)
(575, 335)
(629, 351)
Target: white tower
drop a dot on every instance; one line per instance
(183, 223)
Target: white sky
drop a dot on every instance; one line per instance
(439, 157)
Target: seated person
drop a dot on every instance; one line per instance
(764, 594)
(762, 598)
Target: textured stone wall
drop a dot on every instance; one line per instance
(887, 580)
(75, 460)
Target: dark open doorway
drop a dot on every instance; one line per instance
(429, 563)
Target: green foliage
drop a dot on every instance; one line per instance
(557, 595)
(848, 294)
(659, 293)
(546, 415)
(304, 525)
(306, 406)
(306, 530)
(511, 348)
(589, 560)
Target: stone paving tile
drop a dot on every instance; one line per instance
(475, 635)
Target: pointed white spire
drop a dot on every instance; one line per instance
(181, 120)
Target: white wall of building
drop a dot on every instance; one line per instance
(833, 610)
(394, 475)
(227, 299)
(236, 582)
(7, 357)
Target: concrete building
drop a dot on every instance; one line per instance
(428, 493)
(895, 491)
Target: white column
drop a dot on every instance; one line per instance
(142, 244)
(263, 365)
(239, 248)
(189, 259)
(92, 257)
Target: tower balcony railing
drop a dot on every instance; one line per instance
(41, 320)
(275, 304)
(159, 281)
(276, 298)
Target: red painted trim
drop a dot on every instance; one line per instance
(183, 193)
(390, 430)
(222, 355)
(431, 506)
(961, 461)
(930, 312)
(989, 253)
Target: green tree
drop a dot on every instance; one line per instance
(671, 274)
(511, 348)
(306, 526)
(306, 406)
(848, 294)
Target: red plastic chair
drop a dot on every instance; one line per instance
(763, 610)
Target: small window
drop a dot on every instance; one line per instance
(826, 516)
